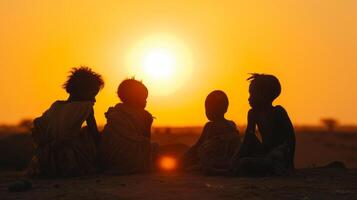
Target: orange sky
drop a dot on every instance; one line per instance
(310, 45)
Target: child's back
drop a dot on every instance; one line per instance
(62, 147)
(218, 143)
(219, 128)
(275, 127)
(64, 119)
(219, 139)
(277, 130)
(126, 146)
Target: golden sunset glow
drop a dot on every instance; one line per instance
(182, 50)
(162, 61)
(159, 64)
(168, 163)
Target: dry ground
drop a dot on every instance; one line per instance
(314, 148)
(305, 184)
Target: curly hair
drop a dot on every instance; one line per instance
(83, 79)
(267, 84)
(131, 87)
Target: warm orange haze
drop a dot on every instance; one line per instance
(168, 99)
(182, 50)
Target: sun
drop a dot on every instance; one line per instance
(159, 63)
(163, 62)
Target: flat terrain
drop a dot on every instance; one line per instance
(305, 184)
(313, 149)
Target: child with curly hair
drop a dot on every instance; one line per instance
(62, 147)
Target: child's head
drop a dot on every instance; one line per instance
(216, 105)
(133, 92)
(263, 90)
(83, 84)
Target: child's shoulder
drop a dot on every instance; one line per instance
(231, 122)
(280, 112)
(279, 109)
(226, 124)
(56, 104)
(73, 105)
(208, 125)
(64, 102)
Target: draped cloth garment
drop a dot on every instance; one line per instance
(125, 146)
(61, 146)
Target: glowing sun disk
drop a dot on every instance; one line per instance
(159, 63)
(162, 61)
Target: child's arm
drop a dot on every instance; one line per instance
(251, 122)
(191, 156)
(92, 127)
(202, 137)
(149, 120)
(290, 141)
(250, 139)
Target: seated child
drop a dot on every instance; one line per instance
(274, 154)
(125, 146)
(62, 147)
(218, 141)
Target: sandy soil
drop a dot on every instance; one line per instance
(305, 184)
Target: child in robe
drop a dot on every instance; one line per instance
(219, 139)
(62, 148)
(274, 154)
(126, 146)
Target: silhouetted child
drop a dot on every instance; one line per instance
(62, 147)
(126, 146)
(274, 154)
(219, 139)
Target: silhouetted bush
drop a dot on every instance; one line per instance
(330, 124)
(26, 124)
